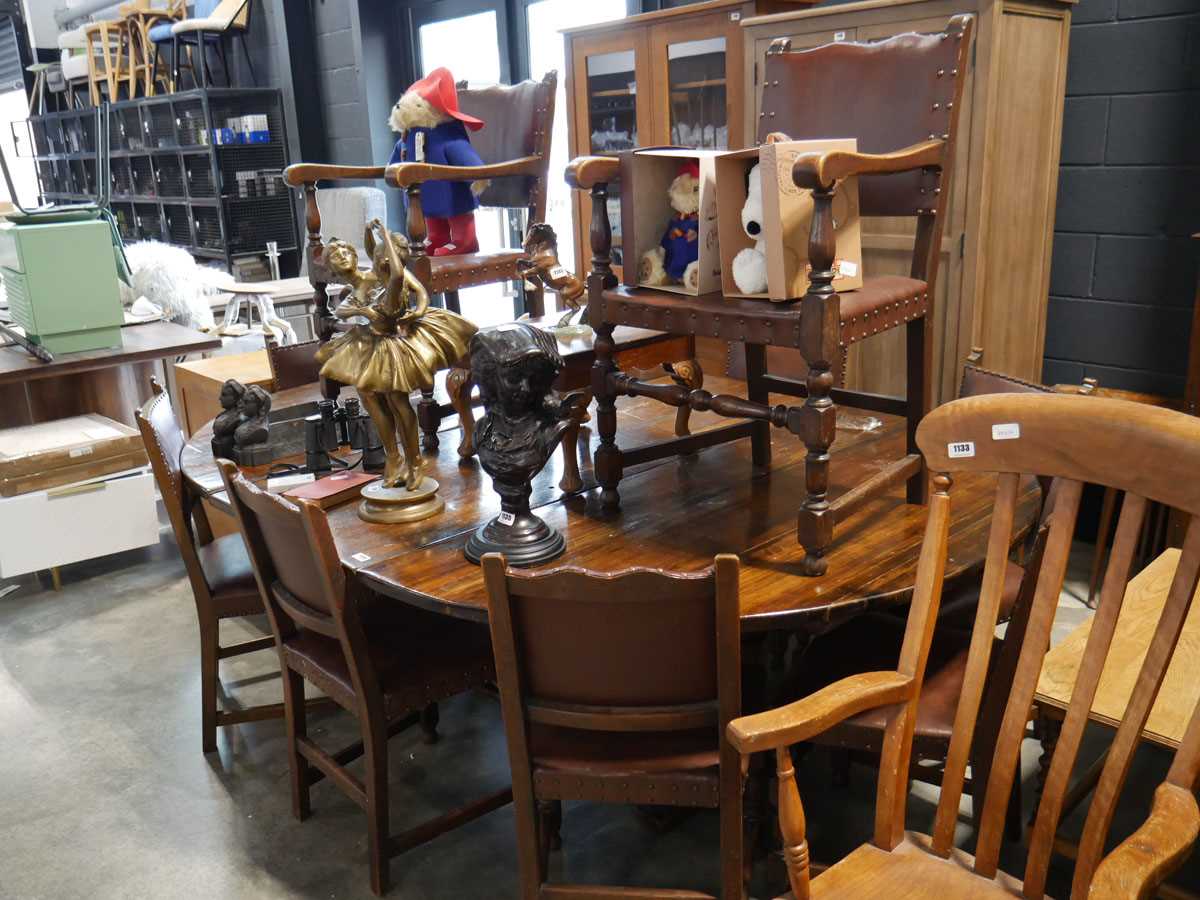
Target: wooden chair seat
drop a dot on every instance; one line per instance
(623, 753)
(230, 578)
(419, 659)
(449, 273)
(908, 872)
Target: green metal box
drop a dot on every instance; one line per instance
(61, 281)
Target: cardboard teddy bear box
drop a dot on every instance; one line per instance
(773, 229)
(669, 220)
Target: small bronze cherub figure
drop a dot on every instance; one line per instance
(515, 366)
(227, 421)
(540, 263)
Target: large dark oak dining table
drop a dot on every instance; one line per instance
(675, 514)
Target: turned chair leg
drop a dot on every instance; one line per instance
(296, 715)
(209, 675)
(429, 417)
(429, 723)
(607, 461)
(919, 359)
(376, 759)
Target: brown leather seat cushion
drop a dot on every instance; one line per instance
(884, 301)
(419, 657)
(449, 273)
(621, 753)
(230, 579)
(872, 642)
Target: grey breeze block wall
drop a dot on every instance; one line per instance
(1124, 271)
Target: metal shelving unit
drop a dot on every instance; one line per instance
(174, 178)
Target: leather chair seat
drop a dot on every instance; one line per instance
(622, 753)
(226, 568)
(419, 657)
(884, 301)
(872, 642)
(449, 273)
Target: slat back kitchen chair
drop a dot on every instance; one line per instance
(218, 569)
(1076, 440)
(616, 688)
(384, 664)
(901, 99)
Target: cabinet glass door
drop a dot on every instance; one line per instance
(696, 94)
(612, 101)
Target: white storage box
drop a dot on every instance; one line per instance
(75, 522)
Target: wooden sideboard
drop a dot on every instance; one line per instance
(994, 272)
(669, 77)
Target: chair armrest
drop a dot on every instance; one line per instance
(406, 174)
(818, 712)
(1144, 859)
(299, 174)
(814, 170)
(585, 172)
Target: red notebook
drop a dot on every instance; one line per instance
(332, 490)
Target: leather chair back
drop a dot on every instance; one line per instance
(293, 365)
(519, 119)
(292, 551)
(597, 651)
(887, 94)
(164, 440)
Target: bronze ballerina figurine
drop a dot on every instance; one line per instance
(397, 352)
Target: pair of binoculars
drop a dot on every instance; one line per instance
(334, 426)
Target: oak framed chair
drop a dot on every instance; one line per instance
(901, 99)
(218, 569)
(386, 664)
(1075, 440)
(515, 148)
(631, 714)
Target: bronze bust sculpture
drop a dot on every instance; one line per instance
(253, 428)
(515, 366)
(227, 421)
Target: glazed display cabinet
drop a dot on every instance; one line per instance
(670, 77)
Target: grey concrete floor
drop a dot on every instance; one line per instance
(104, 791)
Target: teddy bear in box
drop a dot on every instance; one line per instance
(434, 130)
(675, 259)
(750, 263)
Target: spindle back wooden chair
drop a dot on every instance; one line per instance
(616, 688)
(1076, 440)
(217, 568)
(386, 665)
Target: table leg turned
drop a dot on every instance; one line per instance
(429, 417)
(607, 461)
(816, 420)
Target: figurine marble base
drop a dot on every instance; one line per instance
(525, 540)
(390, 505)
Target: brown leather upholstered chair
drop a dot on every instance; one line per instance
(900, 98)
(218, 569)
(294, 365)
(515, 148)
(384, 663)
(873, 641)
(616, 689)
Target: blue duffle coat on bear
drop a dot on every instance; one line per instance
(445, 145)
(681, 245)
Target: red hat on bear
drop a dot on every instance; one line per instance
(437, 89)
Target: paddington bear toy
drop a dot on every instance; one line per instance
(675, 259)
(433, 130)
